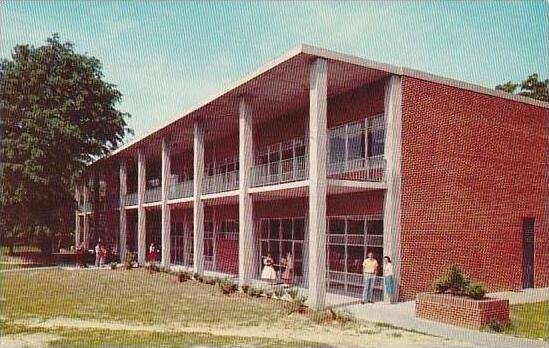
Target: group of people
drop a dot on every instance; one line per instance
(370, 270)
(100, 251)
(286, 267)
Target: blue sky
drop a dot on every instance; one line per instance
(168, 56)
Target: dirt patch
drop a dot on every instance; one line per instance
(28, 340)
(355, 336)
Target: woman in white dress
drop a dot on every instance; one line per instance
(268, 272)
(289, 270)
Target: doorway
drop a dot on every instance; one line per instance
(528, 253)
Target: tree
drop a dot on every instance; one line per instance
(57, 115)
(532, 87)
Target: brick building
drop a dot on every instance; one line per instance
(329, 156)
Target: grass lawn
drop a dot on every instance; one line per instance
(530, 320)
(133, 308)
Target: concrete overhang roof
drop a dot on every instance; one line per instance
(281, 86)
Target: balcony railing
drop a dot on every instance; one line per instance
(181, 190)
(288, 170)
(131, 199)
(221, 182)
(153, 195)
(361, 169)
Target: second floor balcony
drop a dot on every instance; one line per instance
(181, 190)
(287, 170)
(222, 182)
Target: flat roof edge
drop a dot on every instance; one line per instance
(472, 87)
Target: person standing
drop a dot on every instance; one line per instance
(153, 253)
(369, 269)
(268, 272)
(102, 255)
(289, 268)
(97, 251)
(388, 279)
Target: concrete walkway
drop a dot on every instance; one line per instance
(403, 315)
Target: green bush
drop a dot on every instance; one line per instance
(129, 260)
(227, 286)
(496, 326)
(476, 291)
(183, 276)
(293, 293)
(279, 292)
(245, 288)
(297, 305)
(458, 284)
(114, 265)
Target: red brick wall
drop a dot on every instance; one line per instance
(462, 311)
(473, 166)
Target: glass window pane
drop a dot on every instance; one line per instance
(337, 148)
(265, 229)
(337, 226)
(287, 229)
(355, 226)
(355, 257)
(274, 232)
(299, 229)
(356, 146)
(375, 227)
(336, 258)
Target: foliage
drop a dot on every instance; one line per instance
(458, 284)
(293, 293)
(532, 87)
(245, 288)
(297, 305)
(114, 265)
(129, 260)
(58, 114)
(279, 292)
(227, 286)
(496, 325)
(476, 291)
(183, 276)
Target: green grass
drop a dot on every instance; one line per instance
(530, 320)
(128, 296)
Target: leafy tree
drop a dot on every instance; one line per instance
(532, 87)
(57, 114)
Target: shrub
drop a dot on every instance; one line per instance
(458, 284)
(496, 325)
(209, 280)
(297, 305)
(129, 260)
(255, 292)
(227, 286)
(245, 288)
(183, 276)
(279, 292)
(476, 291)
(343, 317)
(113, 265)
(293, 293)
(268, 293)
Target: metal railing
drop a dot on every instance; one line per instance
(181, 190)
(221, 182)
(130, 199)
(153, 195)
(361, 169)
(288, 170)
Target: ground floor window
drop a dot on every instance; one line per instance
(209, 245)
(349, 239)
(277, 238)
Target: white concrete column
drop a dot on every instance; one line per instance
(77, 231)
(198, 207)
(122, 199)
(166, 216)
(246, 245)
(391, 206)
(141, 213)
(86, 217)
(317, 182)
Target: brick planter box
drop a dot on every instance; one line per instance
(460, 310)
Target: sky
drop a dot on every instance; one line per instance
(166, 57)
